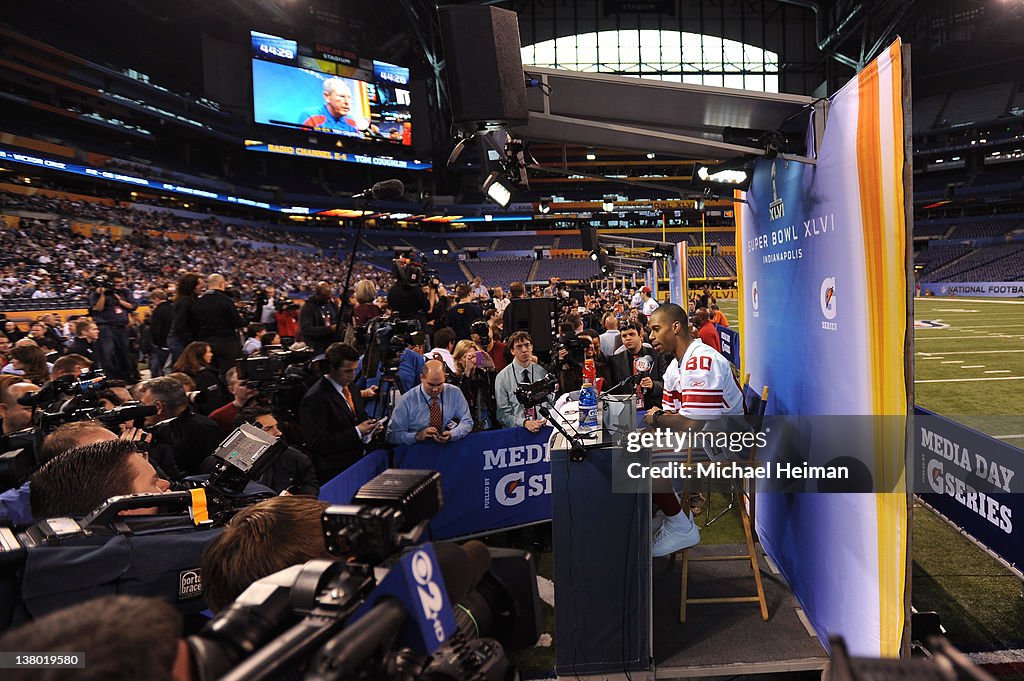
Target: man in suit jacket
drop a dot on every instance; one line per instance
(622, 365)
(334, 422)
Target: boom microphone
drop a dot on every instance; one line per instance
(382, 191)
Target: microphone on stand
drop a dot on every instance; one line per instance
(382, 191)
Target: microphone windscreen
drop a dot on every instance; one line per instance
(455, 570)
(388, 189)
(479, 561)
(643, 364)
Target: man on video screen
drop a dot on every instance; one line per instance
(334, 114)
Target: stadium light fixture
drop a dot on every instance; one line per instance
(591, 155)
(650, 154)
(437, 252)
(444, 251)
(498, 189)
(544, 206)
(734, 173)
(608, 203)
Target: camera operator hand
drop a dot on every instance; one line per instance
(135, 434)
(534, 425)
(369, 393)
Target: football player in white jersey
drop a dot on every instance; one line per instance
(699, 387)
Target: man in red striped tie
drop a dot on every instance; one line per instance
(699, 387)
(434, 412)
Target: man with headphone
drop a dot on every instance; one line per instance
(334, 422)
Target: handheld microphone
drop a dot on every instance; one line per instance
(382, 191)
(642, 365)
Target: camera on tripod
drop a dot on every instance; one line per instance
(389, 338)
(281, 377)
(411, 272)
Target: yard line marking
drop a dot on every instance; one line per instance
(964, 380)
(983, 301)
(1009, 437)
(998, 371)
(968, 352)
(995, 326)
(933, 357)
(973, 366)
(959, 338)
(953, 361)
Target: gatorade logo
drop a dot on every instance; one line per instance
(510, 489)
(431, 597)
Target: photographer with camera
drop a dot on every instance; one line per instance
(435, 411)
(16, 417)
(334, 421)
(78, 481)
(318, 319)
(15, 504)
(406, 298)
(178, 439)
(522, 371)
(240, 393)
(109, 305)
(480, 333)
(292, 472)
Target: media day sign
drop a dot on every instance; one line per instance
(490, 480)
(974, 480)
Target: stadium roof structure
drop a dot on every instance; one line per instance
(664, 117)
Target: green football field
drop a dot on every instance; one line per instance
(969, 366)
(968, 361)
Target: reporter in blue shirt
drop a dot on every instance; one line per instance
(435, 411)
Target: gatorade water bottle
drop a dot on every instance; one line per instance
(588, 407)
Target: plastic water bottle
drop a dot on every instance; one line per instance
(588, 407)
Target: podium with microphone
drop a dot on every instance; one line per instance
(601, 528)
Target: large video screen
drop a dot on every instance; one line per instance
(326, 90)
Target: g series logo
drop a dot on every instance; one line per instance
(512, 489)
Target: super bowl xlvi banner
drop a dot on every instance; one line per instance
(492, 479)
(823, 287)
(980, 289)
(975, 481)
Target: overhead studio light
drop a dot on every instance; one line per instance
(498, 189)
(734, 173)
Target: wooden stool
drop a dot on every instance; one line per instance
(756, 405)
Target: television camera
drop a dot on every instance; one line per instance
(64, 400)
(354, 617)
(282, 377)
